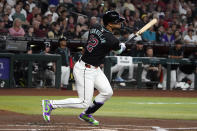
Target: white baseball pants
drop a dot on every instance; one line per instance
(117, 68)
(172, 81)
(65, 73)
(131, 70)
(86, 79)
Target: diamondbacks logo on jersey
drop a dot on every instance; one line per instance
(95, 37)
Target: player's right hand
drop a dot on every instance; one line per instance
(123, 47)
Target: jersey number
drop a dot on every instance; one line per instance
(92, 43)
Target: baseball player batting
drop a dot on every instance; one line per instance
(87, 72)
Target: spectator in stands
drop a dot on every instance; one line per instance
(36, 25)
(7, 10)
(182, 9)
(64, 14)
(174, 27)
(151, 72)
(128, 4)
(100, 9)
(21, 3)
(78, 32)
(149, 35)
(60, 8)
(3, 30)
(190, 26)
(163, 22)
(127, 16)
(31, 4)
(18, 14)
(43, 28)
(190, 38)
(95, 12)
(188, 71)
(143, 21)
(174, 53)
(27, 8)
(16, 29)
(88, 7)
(1, 9)
(71, 21)
(79, 8)
(11, 2)
(168, 37)
(189, 16)
(81, 24)
(71, 32)
(55, 31)
(93, 21)
(177, 35)
(65, 68)
(30, 32)
(131, 26)
(159, 34)
(159, 12)
(8, 23)
(49, 67)
(63, 24)
(124, 35)
(32, 14)
(144, 9)
(52, 11)
(38, 18)
(49, 15)
(184, 27)
(18, 7)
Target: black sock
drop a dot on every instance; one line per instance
(93, 108)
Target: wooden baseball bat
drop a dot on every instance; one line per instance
(143, 29)
(147, 26)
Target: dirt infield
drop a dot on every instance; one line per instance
(16, 121)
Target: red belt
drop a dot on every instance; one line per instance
(87, 65)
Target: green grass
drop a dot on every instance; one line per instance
(142, 107)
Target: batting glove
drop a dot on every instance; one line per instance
(123, 47)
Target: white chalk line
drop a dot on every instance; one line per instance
(62, 125)
(88, 127)
(166, 129)
(162, 103)
(191, 128)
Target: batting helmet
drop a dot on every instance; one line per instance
(112, 17)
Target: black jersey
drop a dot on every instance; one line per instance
(100, 42)
(65, 54)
